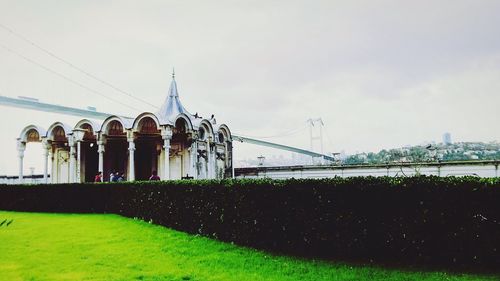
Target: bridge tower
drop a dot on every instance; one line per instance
(316, 133)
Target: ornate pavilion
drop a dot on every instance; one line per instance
(172, 142)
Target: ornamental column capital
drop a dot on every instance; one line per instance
(195, 136)
(130, 135)
(130, 139)
(46, 143)
(71, 141)
(101, 139)
(21, 145)
(166, 133)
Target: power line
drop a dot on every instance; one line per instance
(66, 78)
(75, 67)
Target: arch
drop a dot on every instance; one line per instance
(207, 126)
(92, 128)
(186, 119)
(225, 130)
(94, 125)
(202, 133)
(138, 121)
(32, 133)
(113, 120)
(57, 131)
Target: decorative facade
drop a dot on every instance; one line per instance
(172, 141)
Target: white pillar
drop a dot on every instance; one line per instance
(214, 161)
(131, 159)
(72, 160)
(231, 160)
(53, 170)
(46, 152)
(209, 158)
(100, 151)
(166, 167)
(166, 135)
(21, 147)
(194, 159)
(45, 165)
(78, 162)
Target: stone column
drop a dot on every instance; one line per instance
(79, 162)
(166, 135)
(100, 151)
(131, 159)
(72, 159)
(194, 158)
(21, 147)
(215, 162)
(46, 152)
(210, 166)
(226, 156)
(232, 162)
(53, 171)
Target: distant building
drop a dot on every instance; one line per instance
(447, 139)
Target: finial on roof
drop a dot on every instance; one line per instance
(172, 106)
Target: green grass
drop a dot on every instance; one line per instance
(40, 246)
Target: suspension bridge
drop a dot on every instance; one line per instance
(34, 104)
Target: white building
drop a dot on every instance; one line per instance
(172, 142)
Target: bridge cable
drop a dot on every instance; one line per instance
(67, 78)
(284, 134)
(75, 67)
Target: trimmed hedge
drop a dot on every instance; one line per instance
(451, 223)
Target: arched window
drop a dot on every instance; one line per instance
(89, 132)
(148, 126)
(180, 126)
(202, 134)
(32, 136)
(59, 134)
(115, 128)
(221, 137)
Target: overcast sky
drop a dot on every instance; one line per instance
(380, 74)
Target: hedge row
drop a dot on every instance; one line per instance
(449, 223)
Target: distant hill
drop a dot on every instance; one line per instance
(432, 152)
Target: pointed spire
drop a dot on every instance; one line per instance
(172, 106)
(173, 86)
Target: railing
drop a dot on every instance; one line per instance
(453, 168)
(31, 179)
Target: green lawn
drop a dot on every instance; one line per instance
(38, 246)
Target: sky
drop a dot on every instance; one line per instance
(380, 74)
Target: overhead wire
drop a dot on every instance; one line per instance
(67, 78)
(88, 74)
